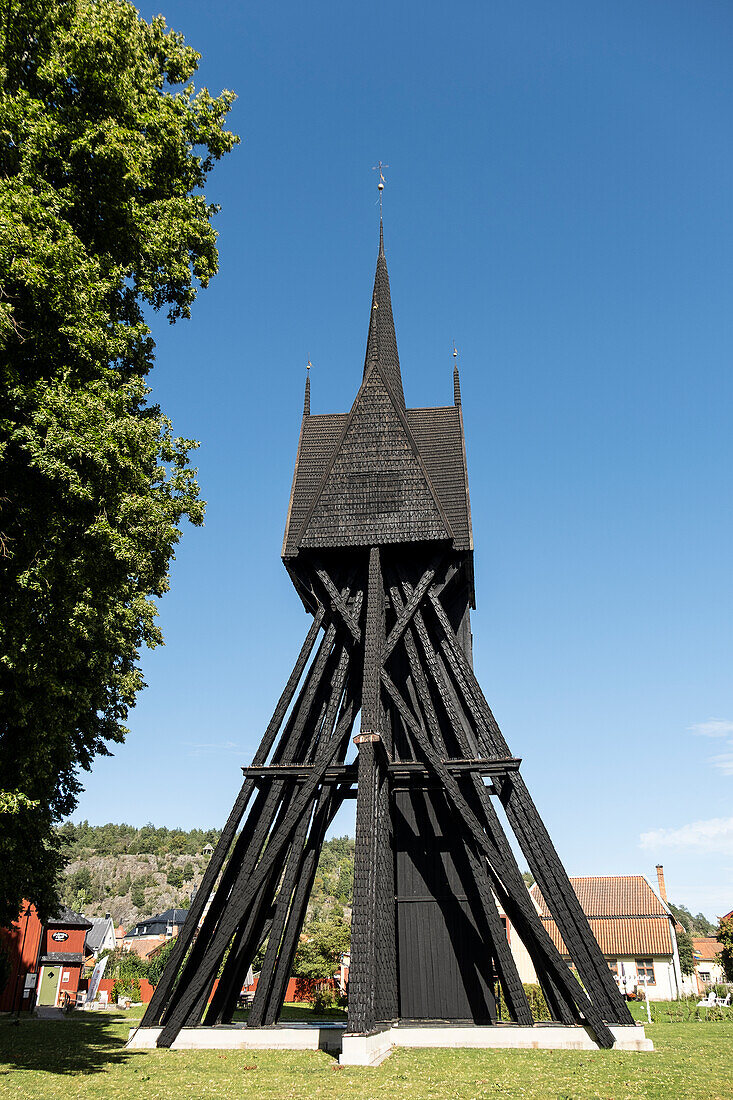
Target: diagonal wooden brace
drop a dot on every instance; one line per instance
(339, 605)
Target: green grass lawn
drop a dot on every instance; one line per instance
(83, 1056)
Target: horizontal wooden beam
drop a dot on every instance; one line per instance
(457, 765)
(337, 773)
(345, 773)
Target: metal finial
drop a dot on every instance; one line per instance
(379, 167)
(456, 379)
(308, 365)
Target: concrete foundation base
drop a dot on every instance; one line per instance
(239, 1037)
(370, 1050)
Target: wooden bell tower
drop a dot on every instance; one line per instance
(379, 547)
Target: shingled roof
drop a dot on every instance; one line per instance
(381, 473)
(625, 915)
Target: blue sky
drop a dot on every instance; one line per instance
(559, 205)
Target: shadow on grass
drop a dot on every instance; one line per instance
(81, 1043)
(300, 1013)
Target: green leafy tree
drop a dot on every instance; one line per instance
(105, 148)
(682, 914)
(685, 949)
(320, 948)
(725, 939)
(156, 966)
(137, 893)
(703, 926)
(175, 878)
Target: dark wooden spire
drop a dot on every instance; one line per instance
(382, 341)
(307, 398)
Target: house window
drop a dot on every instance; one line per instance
(613, 967)
(704, 975)
(645, 971)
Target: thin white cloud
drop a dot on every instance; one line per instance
(723, 761)
(714, 727)
(213, 748)
(714, 835)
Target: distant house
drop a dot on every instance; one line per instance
(634, 929)
(708, 969)
(207, 849)
(100, 937)
(149, 934)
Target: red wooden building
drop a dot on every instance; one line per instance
(21, 941)
(62, 957)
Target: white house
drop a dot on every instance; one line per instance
(634, 929)
(708, 969)
(100, 937)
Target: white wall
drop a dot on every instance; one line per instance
(665, 984)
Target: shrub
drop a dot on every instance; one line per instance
(158, 961)
(324, 998)
(535, 996)
(126, 987)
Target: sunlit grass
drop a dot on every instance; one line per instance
(84, 1056)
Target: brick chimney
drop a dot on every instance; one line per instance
(660, 880)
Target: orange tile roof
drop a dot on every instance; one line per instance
(707, 947)
(625, 915)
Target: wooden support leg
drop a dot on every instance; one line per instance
(386, 999)
(299, 907)
(246, 887)
(242, 948)
(373, 903)
(301, 867)
(362, 973)
(183, 942)
(293, 870)
(535, 841)
(468, 819)
(513, 989)
(259, 821)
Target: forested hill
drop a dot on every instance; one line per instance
(132, 873)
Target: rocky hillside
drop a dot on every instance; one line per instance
(132, 873)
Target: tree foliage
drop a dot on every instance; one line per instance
(725, 939)
(685, 949)
(156, 965)
(82, 839)
(696, 926)
(321, 946)
(105, 146)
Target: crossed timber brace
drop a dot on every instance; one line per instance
(389, 650)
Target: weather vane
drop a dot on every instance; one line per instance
(379, 167)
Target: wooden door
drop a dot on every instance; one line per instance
(444, 956)
(49, 985)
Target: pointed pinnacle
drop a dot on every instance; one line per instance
(381, 341)
(307, 398)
